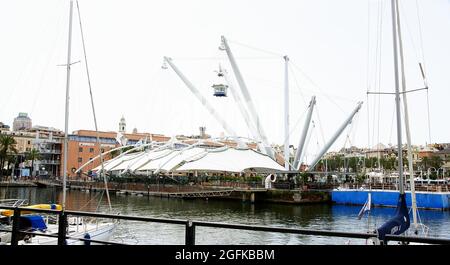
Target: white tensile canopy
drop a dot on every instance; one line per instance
(193, 159)
(232, 160)
(115, 162)
(172, 160)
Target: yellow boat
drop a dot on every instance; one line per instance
(36, 206)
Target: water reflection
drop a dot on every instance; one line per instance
(317, 216)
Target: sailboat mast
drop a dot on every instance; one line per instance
(66, 117)
(408, 133)
(286, 114)
(397, 97)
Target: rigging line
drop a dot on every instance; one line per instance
(379, 73)
(420, 34)
(428, 118)
(355, 124)
(392, 126)
(257, 49)
(222, 58)
(93, 108)
(318, 87)
(86, 204)
(377, 70)
(152, 83)
(368, 46)
(368, 123)
(409, 31)
(99, 201)
(297, 84)
(52, 55)
(377, 45)
(296, 124)
(17, 82)
(320, 124)
(393, 93)
(379, 60)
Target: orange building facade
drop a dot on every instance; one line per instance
(83, 147)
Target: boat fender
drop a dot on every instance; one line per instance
(87, 236)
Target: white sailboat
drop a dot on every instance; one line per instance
(419, 228)
(77, 227)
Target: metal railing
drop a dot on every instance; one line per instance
(190, 228)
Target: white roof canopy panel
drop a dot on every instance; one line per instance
(172, 160)
(232, 160)
(225, 159)
(114, 162)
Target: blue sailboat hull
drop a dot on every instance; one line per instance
(426, 200)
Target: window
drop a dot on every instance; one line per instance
(80, 149)
(91, 150)
(80, 159)
(29, 142)
(90, 159)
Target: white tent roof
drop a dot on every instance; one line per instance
(193, 158)
(232, 160)
(172, 160)
(112, 163)
(149, 156)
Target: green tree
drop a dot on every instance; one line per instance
(33, 155)
(436, 162)
(7, 149)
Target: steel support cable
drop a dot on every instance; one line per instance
(257, 49)
(424, 68)
(320, 124)
(297, 84)
(93, 107)
(392, 125)
(377, 69)
(51, 56)
(222, 58)
(368, 72)
(303, 99)
(429, 122)
(423, 60)
(350, 132)
(320, 89)
(420, 35)
(86, 204)
(404, 19)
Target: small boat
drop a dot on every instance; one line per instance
(77, 229)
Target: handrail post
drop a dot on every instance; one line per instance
(190, 233)
(62, 226)
(15, 228)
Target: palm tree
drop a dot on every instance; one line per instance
(7, 147)
(33, 155)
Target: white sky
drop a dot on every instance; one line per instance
(126, 41)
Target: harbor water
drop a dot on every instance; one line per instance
(314, 216)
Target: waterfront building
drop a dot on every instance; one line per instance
(379, 150)
(22, 122)
(427, 151)
(82, 147)
(48, 143)
(3, 127)
(444, 154)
